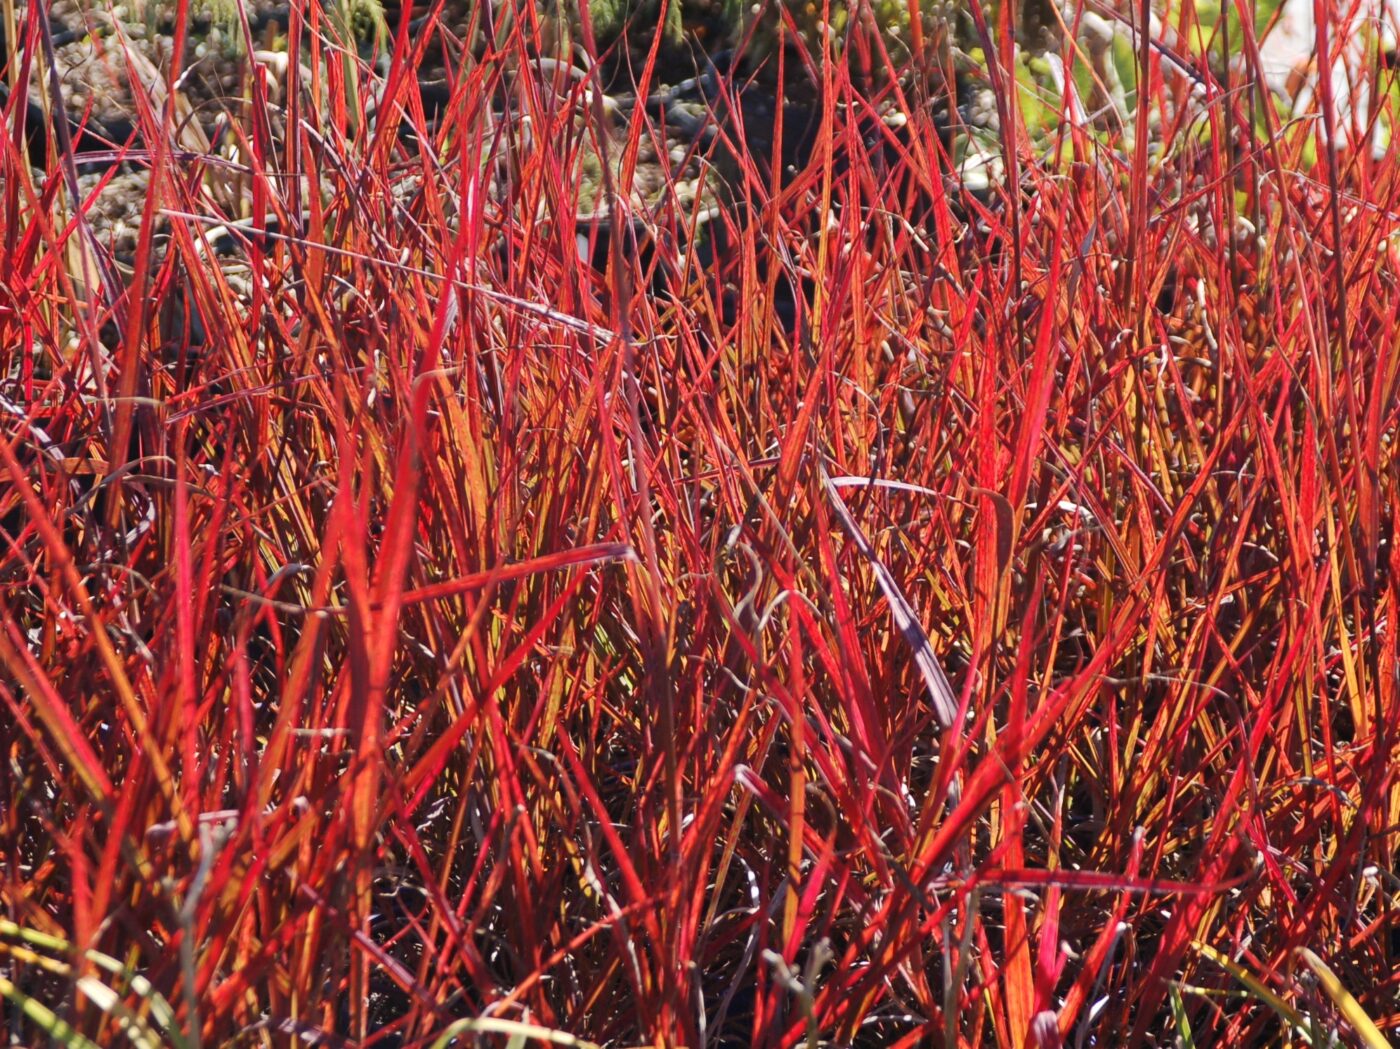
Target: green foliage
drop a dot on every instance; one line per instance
(640, 20)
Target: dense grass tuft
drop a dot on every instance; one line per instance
(935, 588)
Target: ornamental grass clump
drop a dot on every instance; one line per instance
(848, 609)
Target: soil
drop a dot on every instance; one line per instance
(97, 58)
(95, 79)
(105, 55)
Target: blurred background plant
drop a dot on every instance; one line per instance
(717, 26)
